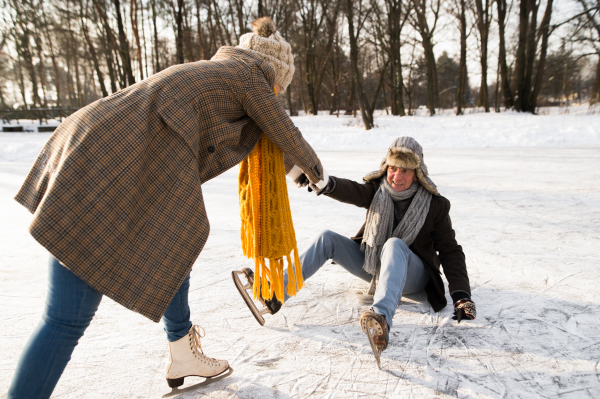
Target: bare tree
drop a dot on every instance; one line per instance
(484, 19)
(313, 14)
(388, 26)
(355, 26)
(92, 50)
(523, 80)
(419, 20)
(589, 34)
(123, 44)
(133, 16)
(22, 39)
(458, 8)
(504, 79)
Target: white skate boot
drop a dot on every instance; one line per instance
(187, 359)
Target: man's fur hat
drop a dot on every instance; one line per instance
(407, 153)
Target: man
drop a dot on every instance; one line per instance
(406, 236)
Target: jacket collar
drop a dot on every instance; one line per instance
(244, 55)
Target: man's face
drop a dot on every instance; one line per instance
(399, 178)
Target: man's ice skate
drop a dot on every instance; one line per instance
(269, 306)
(376, 328)
(187, 359)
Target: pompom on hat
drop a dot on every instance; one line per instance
(265, 42)
(405, 152)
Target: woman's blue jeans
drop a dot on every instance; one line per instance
(70, 307)
(402, 272)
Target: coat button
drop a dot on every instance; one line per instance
(211, 149)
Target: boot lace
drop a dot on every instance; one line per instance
(197, 332)
(194, 336)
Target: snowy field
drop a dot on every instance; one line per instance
(525, 193)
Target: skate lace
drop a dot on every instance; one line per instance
(195, 336)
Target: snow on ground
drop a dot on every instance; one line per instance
(526, 208)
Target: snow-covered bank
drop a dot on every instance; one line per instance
(507, 129)
(528, 219)
(480, 130)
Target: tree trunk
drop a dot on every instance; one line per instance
(539, 76)
(395, 31)
(25, 53)
(288, 96)
(157, 59)
(379, 87)
(309, 83)
(144, 40)
(211, 27)
(505, 83)
(462, 66)
(53, 58)
(179, 37)
(123, 44)
(422, 26)
(74, 46)
(483, 25)
(104, 40)
(519, 71)
(497, 93)
(39, 50)
(530, 58)
(595, 93)
(122, 47)
(432, 84)
(133, 15)
(21, 81)
(92, 52)
(200, 35)
(367, 117)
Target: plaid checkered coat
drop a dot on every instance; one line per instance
(116, 191)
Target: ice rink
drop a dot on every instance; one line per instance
(528, 218)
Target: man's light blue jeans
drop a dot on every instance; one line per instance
(70, 307)
(402, 272)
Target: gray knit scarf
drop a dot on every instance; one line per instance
(380, 220)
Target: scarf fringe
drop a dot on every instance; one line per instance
(267, 231)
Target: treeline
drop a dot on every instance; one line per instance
(370, 54)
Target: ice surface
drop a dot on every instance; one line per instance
(526, 211)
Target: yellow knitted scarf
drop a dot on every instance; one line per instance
(267, 228)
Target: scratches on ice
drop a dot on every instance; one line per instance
(531, 339)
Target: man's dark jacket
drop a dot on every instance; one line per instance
(435, 244)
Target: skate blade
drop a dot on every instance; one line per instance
(242, 289)
(208, 381)
(375, 348)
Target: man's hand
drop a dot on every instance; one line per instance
(328, 189)
(464, 309)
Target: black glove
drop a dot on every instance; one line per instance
(464, 307)
(301, 181)
(328, 189)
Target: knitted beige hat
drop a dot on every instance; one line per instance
(268, 44)
(405, 152)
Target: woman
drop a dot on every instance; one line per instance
(117, 199)
(407, 234)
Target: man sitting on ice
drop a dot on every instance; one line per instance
(406, 236)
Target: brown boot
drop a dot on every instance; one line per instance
(379, 326)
